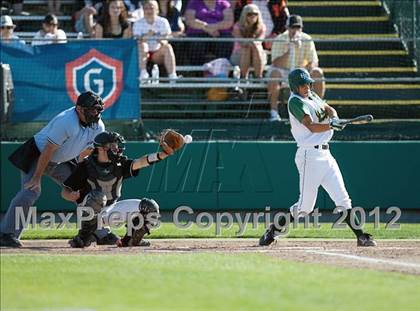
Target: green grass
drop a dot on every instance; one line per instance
(196, 282)
(169, 230)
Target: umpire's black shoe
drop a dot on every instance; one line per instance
(365, 240)
(268, 236)
(9, 240)
(109, 239)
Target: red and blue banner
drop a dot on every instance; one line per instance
(49, 78)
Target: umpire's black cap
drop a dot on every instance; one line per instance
(89, 100)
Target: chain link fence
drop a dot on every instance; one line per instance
(406, 16)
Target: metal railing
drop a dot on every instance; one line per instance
(254, 83)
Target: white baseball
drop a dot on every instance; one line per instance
(188, 139)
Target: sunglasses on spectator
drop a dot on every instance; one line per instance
(7, 27)
(296, 27)
(252, 14)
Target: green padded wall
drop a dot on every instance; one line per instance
(252, 175)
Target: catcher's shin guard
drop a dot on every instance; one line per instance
(95, 200)
(147, 207)
(85, 236)
(136, 237)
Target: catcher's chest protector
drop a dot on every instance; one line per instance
(106, 178)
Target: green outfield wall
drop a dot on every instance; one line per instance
(250, 176)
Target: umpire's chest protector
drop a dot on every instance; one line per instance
(106, 177)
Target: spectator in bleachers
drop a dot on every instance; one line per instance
(84, 16)
(50, 33)
(245, 54)
(135, 10)
(54, 7)
(274, 14)
(17, 7)
(211, 19)
(113, 22)
(294, 49)
(7, 29)
(179, 5)
(157, 51)
(279, 14)
(168, 10)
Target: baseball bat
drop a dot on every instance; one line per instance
(357, 120)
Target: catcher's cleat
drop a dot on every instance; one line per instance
(366, 240)
(109, 239)
(144, 243)
(76, 242)
(125, 243)
(9, 240)
(268, 236)
(79, 242)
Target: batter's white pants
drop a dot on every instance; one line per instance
(317, 167)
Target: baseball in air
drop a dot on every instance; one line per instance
(188, 139)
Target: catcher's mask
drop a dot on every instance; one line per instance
(147, 206)
(92, 107)
(112, 142)
(298, 77)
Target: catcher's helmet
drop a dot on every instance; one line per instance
(297, 77)
(147, 205)
(112, 140)
(92, 105)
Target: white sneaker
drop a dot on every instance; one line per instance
(143, 76)
(274, 116)
(173, 77)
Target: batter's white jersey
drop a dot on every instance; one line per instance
(316, 166)
(314, 107)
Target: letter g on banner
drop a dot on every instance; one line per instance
(95, 72)
(98, 82)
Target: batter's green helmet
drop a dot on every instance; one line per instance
(297, 77)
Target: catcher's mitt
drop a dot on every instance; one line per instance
(173, 139)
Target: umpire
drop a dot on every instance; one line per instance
(53, 151)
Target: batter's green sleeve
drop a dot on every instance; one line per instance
(298, 108)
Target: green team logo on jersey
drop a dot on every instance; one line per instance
(320, 111)
(321, 114)
(299, 108)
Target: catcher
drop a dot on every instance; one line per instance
(97, 183)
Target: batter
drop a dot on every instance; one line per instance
(312, 124)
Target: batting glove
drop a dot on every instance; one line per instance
(336, 125)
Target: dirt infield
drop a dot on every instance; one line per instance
(390, 255)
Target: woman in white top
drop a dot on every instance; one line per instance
(158, 51)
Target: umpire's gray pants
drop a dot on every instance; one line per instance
(27, 198)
